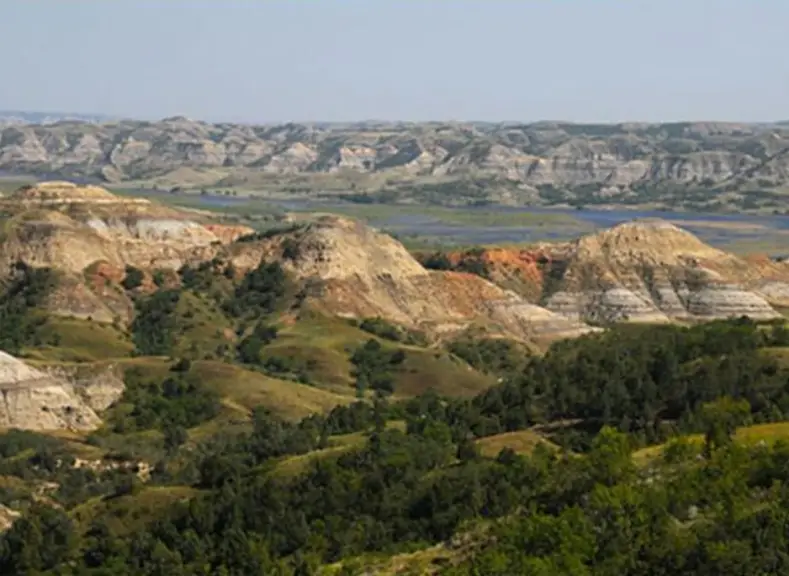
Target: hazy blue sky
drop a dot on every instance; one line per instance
(268, 60)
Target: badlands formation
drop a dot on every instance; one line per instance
(648, 271)
(69, 227)
(349, 269)
(358, 272)
(644, 271)
(640, 271)
(653, 271)
(543, 163)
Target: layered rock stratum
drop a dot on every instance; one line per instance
(648, 271)
(70, 227)
(672, 164)
(644, 271)
(358, 272)
(90, 235)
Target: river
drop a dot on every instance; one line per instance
(771, 232)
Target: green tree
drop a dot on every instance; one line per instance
(133, 278)
(721, 419)
(174, 437)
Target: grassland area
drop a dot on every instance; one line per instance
(757, 434)
(306, 369)
(129, 513)
(521, 442)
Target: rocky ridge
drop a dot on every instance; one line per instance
(701, 164)
(648, 271)
(645, 271)
(89, 235)
(138, 229)
(355, 271)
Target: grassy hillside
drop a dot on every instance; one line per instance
(77, 340)
(323, 445)
(125, 514)
(755, 435)
(520, 442)
(242, 389)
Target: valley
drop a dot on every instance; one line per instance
(433, 226)
(194, 385)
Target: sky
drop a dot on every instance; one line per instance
(412, 60)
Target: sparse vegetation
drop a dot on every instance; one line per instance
(261, 292)
(470, 261)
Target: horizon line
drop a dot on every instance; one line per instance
(109, 117)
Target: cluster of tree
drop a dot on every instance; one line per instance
(388, 331)
(374, 366)
(710, 508)
(725, 515)
(203, 277)
(722, 511)
(178, 401)
(646, 380)
(492, 355)
(20, 306)
(260, 293)
(470, 261)
(250, 347)
(154, 326)
(133, 278)
(46, 462)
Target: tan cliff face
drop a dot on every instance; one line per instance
(36, 400)
(646, 271)
(69, 228)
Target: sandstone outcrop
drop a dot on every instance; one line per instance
(35, 400)
(7, 518)
(654, 271)
(98, 386)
